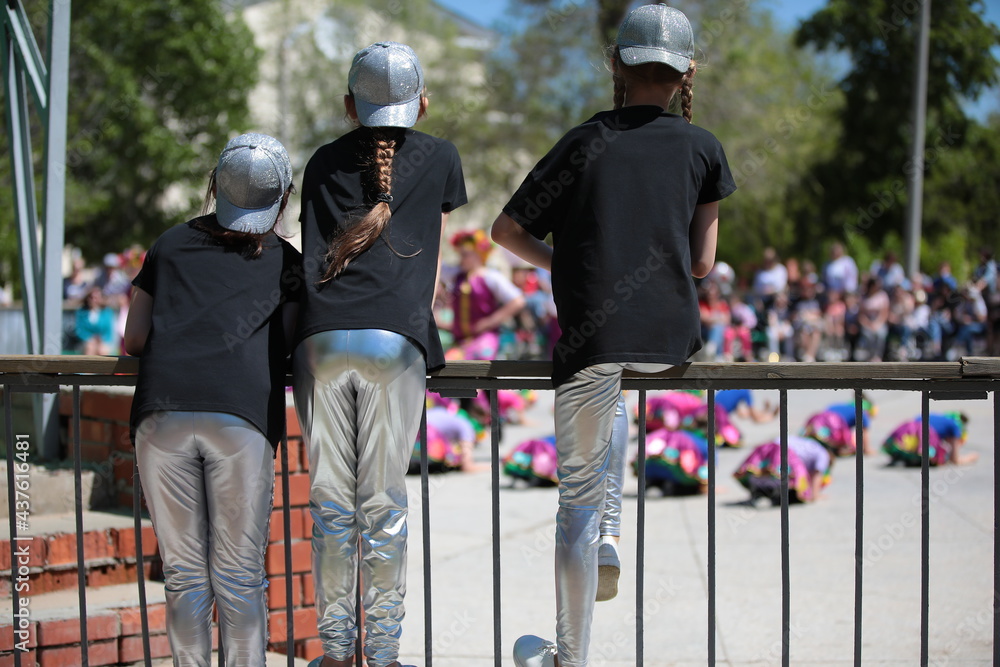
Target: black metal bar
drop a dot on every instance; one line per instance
(140, 576)
(859, 520)
(786, 607)
(925, 528)
(286, 536)
(425, 519)
(495, 503)
(640, 539)
(996, 528)
(958, 395)
(711, 527)
(12, 514)
(81, 566)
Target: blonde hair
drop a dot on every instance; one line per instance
(652, 73)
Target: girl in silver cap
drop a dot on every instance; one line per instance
(631, 200)
(374, 204)
(209, 320)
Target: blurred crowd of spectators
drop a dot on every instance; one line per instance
(783, 311)
(792, 311)
(100, 297)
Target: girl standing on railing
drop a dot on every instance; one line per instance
(631, 200)
(210, 319)
(374, 205)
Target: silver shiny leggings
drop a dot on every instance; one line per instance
(612, 519)
(208, 478)
(359, 395)
(587, 406)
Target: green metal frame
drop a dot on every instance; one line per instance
(40, 237)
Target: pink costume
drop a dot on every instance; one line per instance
(760, 473)
(472, 300)
(905, 444)
(673, 410)
(832, 431)
(680, 410)
(676, 457)
(534, 461)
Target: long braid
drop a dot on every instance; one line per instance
(619, 80)
(619, 91)
(687, 91)
(362, 235)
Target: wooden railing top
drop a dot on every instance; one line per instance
(966, 367)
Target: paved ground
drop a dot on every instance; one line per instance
(748, 556)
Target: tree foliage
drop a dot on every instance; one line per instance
(155, 87)
(863, 183)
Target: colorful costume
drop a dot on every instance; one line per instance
(833, 431)
(686, 410)
(904, 444)
(533, 461)
(675, 460)
(475, 298)
(760, 473)
(446, 431)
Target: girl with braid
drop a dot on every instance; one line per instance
(631, 199)
(374, 205)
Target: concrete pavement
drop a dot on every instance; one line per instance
(748, 625)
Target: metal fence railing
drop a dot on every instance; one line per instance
(966, 379)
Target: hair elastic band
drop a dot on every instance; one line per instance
(383, 197)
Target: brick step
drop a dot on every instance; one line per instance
(114, 629)
(50, 556)
(273, 660)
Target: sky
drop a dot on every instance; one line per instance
(789, 13)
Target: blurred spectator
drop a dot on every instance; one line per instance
(771, 279)
(75, 286)
(95, 325)
(111, 279)
(715, 318)
(984, 279)
(944, 278)
(834, 322)
(780, 334)
(889, 270)
(873, 319)
(841, 272)
(901, 307)
(808, 322)
(970, 321)
(742, 322)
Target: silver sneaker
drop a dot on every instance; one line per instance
(532, 651)
(609, 567)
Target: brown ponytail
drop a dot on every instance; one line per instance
(362, 234)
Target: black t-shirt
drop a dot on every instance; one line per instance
(216, 343)
(379, 289)
(618, 193)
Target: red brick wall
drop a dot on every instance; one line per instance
(105, 443)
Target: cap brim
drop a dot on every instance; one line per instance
(388, 115)
(637, 55)
(246, 220)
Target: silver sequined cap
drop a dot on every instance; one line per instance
(656, 34)
(253, 173)
(386, 81)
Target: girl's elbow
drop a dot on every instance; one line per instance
(700, 269)
(132, 347)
